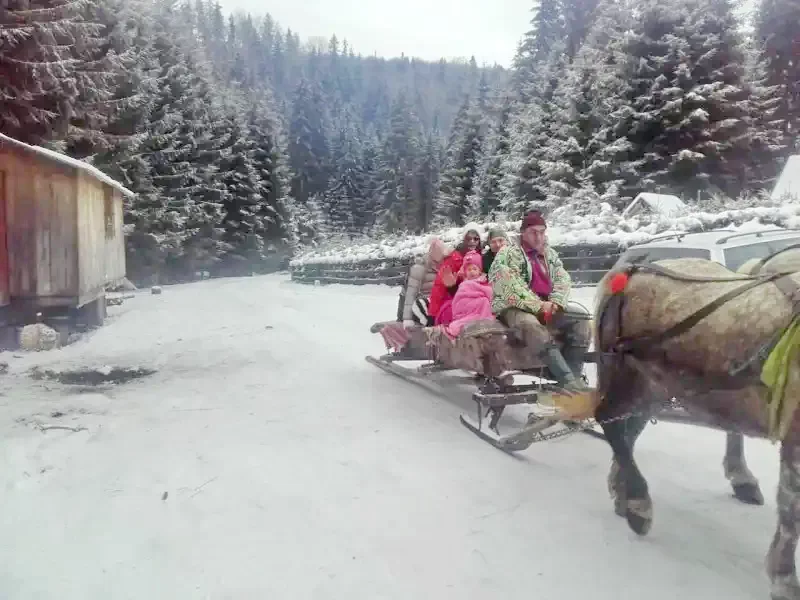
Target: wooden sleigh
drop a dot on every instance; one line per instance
(489, 356)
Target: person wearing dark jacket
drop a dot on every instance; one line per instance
(497, 239)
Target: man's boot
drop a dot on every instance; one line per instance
(578, 401)
(561, 370)
(574, 357)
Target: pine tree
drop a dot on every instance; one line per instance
(242, 221)
(271, 162)
(537, 47)
(47, 46)
(398, 198)
(683, 127)
(581, 100)
(522, 183)
(607, 166)
(180, 204)
(777, 24)
(364, 209)
(308, 143)
(487, 194)
(428, 172)
(111, 144)
(348, 186)
(768, 142)
(578, 17)
(458, 178)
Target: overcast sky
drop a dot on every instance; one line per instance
(429, 29)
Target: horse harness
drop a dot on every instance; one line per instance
(652, 344)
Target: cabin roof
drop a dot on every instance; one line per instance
(68, 161)
(663, 204)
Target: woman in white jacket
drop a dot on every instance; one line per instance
(414, 299)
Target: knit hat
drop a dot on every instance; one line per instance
(532, 219)
(497, 233)
(472, 258)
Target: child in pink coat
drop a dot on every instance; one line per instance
(473, 300)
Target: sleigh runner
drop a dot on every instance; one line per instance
(492, 355)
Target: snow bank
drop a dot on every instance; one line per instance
(605, 227)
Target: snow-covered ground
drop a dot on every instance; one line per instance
(267, 459)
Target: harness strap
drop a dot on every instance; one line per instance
(638, 344)
(769, 257)
(791, 290)
(661, 270)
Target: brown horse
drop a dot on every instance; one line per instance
(691, 330)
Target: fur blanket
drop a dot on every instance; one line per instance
(483, 346)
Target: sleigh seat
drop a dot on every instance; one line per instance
(486, 347)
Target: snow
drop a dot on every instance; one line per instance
(564, 229)
(68, 161)
(267, 459)
(789, 182)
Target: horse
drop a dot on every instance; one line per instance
(655, 346)
(745, 485)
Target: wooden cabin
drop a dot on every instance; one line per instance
(61, 239)
(655, 204)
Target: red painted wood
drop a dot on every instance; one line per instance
(4, 274)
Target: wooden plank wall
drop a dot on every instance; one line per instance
(586, 264)
(116, 268)
(40, 221)
(100, 241)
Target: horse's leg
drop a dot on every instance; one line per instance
(616, 486)
(780, 559)
(745, 485)
(637, 502)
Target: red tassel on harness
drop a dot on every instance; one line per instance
(618, 282)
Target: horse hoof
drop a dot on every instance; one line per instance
(640, 525)
(749, 493)
(640, 515)
(785, 588)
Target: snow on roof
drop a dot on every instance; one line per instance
(68, 161)
(663, 204)
(789, 181)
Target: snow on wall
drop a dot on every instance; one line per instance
(603, 228)
(68, 161)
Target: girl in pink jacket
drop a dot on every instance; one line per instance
(473, 300)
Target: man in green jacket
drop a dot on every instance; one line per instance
(530, 292)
